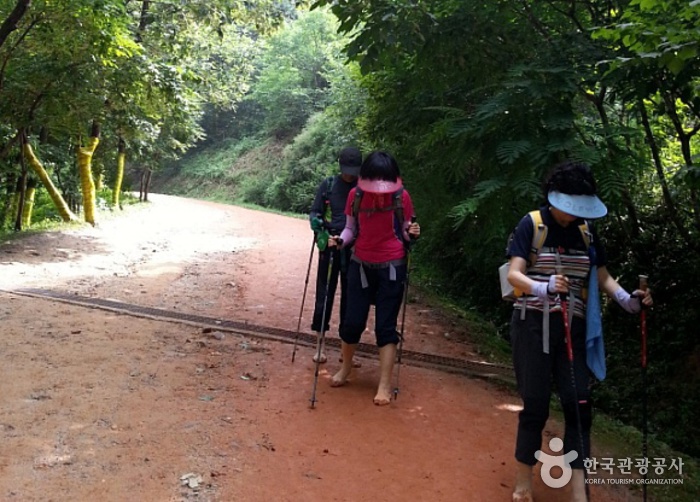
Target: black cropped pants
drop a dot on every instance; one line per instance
(537, 372)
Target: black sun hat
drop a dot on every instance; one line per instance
(350, 160)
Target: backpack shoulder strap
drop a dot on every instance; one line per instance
(586, 233)
(539, 234)
(356, 202)
(327, 210)
(396, 207)
(397, 203)
(329, 188)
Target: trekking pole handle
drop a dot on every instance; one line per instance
(643, 285)
(414, 219)
(559, 270)
(643, 282)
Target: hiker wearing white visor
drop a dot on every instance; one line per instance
(552, 280)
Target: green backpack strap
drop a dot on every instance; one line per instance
(327, 210)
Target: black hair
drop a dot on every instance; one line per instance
(380, 165)
(572, 178)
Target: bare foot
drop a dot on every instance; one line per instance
(523, 484)
(522, 496)
(578, 486)
(383, 397)
(340, 378)
(320, 359)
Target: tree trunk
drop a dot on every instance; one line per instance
(35, 164)
(145, 182)
(19, 201)
(87, 182)
(22, 191)
(5, 209)
(14, 204)
(11, 21)
(28, 203)
(121, 156)
(148, 184)
(665, 191)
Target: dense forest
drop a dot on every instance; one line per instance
(477, 100)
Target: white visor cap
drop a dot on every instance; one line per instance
(581, 206)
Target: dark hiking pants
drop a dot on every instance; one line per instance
(535, 371)
(340, 263)
(385, 292)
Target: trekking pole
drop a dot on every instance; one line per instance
(319, 347)
(303, 296)
(570, 357)
(643, 285)
(403, 318)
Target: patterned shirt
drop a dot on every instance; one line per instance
(563, 247)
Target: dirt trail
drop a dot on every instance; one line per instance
(101, 405)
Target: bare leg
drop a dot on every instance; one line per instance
(319, 355)
(341, 377)
(355, 362)
(523, 484)
(387, 355)
(578, 486)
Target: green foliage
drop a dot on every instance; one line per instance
(293, 82)
(143, 70)
(301, 72)
(673, 378)
(216, 163)
(307, 161)
(665, 33)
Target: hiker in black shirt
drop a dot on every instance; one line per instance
(328, 214)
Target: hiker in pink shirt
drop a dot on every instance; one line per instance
(378, 213)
